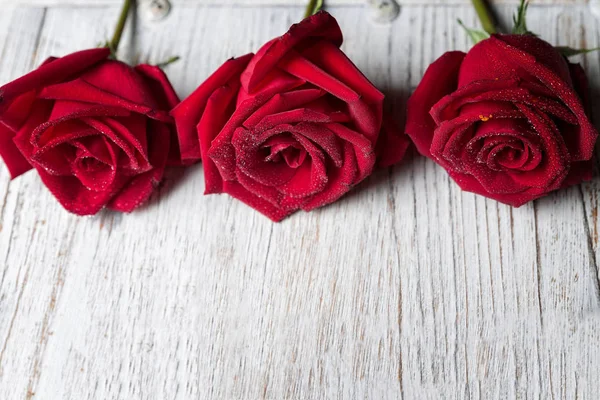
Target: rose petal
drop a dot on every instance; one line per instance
(552, 166)
(222, 151)
(448, 107)
(469, 183)
(56, 155)
(311, 177)
(276, 81)
(239, 192)
(282, 102)
(74, 196)
(336, 63)
(516, 133)
(219, 107)
(167, 99)
(269, 193)
(139, 189)
(556, 155)
(14, 160)
(16, 114)
(304, 69)
(189, 111)
(331, 59)
(340, 181)
(121, 80)
(496, 58)
(96, 163)
(440, 79)
(363, 150)
(134, 130)
(292, 117)
(252, 163)
(319, 26)
(451, 137)
(576, 137)
(63, 112)
(324, 138)
(137, 158)
(81, 91)
(159, 84)
(554, 79)
(49, 73)
(391, 146)
(11, 121)
(498, 91)
(306, 180)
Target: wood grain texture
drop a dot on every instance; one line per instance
(407, 288)
(299, 3)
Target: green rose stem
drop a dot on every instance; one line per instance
(168, 62)
(313, 7)
(484, 16)
(114, 43)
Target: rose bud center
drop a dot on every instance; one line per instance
(285, 149)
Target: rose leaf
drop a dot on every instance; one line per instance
(570, 52)
(475, 35)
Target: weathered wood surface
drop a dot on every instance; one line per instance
(282, 2)
(405, 289)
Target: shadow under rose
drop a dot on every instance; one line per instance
(594, 93)
(174, 178)
(382, 176)
(592, 186)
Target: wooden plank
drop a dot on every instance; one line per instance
(19, 43)
(407, 288)
(255, 3)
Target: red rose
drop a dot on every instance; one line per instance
(96, 130)
(293, 127)
(507, 120)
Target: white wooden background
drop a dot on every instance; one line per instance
(405, 289)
